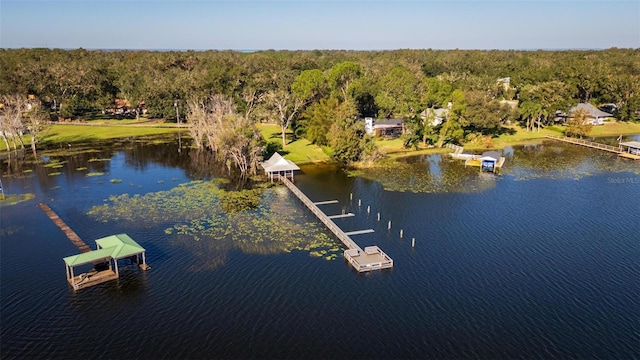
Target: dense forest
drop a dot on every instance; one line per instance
(320, 94)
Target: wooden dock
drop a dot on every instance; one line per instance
(585, 143)
(372, 258)
(75, 239)
(594, 145)
(93, 277)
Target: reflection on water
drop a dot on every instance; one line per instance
(557, 160)
(501, 268)
(441, 173)
(429, 174)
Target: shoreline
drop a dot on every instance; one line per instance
(302, 152)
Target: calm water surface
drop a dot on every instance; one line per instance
(542, 261)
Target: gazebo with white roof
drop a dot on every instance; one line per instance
(279, 166)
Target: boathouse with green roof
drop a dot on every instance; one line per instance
(109, 250)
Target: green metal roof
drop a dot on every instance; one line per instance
(122, 246)
(114, 246)
(88, 257)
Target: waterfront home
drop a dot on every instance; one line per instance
(435, 116)
(384, 127)
(595, 115)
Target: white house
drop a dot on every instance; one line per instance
(383, 127)
(438, 116)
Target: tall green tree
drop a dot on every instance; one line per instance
(341, 77)
(541, 102)
(317, 119)
(348, 139)
(399, 94)
(451, 129)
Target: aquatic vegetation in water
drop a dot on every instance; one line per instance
(95, 159)
(13, 199)
(116, 181)
(54, 173)
(55, 164)
(211, 221)
(427, 174)
(95, 174)
(81, 169)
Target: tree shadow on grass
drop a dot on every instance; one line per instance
(496, 132)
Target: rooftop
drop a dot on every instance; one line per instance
(114, 246)
(278, 163)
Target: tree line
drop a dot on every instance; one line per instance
(321, 94)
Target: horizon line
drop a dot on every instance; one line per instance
(317, 49)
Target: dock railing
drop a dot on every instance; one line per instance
(586, 143)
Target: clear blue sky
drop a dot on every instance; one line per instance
(302, 24)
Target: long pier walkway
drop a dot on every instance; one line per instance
(589, 144)
(633, 152)
(346, 240)
(371, 258)
(75, 239)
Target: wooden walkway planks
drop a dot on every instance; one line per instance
(325, 202)
(372, 258)
(629, 156)
(358, 232)
(585, 143)
(75, 239)
(339, 216)
(346, 240)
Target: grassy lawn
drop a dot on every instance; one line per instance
(300, 151)
(82, 133)
(394, 149)
(74, 133)
(615, 129)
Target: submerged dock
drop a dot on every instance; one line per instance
(75, 239)
(371, 258)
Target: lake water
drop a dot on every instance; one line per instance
(540, 261)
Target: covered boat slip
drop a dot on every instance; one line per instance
(110, 249)
(630, 150)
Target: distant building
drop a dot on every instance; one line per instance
(384, 127)
(596, 116)
(439, 115)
